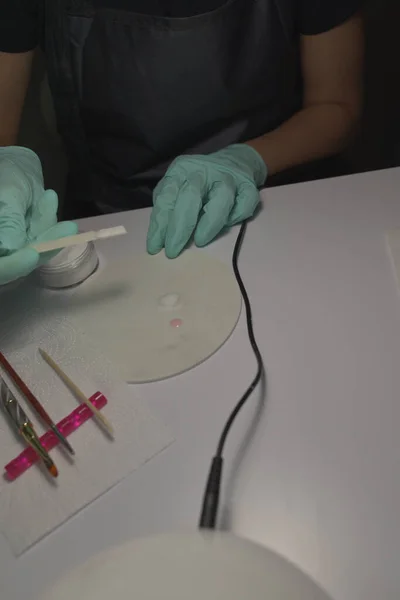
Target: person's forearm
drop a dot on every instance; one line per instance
(15, 70)
(315, 132)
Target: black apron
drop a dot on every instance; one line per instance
(133, 91)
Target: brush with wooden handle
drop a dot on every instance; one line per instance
(34, 402)
(78, 392)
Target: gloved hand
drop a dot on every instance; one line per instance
(27, 213)
(204, 194)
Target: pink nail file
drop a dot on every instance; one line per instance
(49, 440)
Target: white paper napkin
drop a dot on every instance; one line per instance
(31, 506)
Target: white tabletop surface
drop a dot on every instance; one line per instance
(320, 480)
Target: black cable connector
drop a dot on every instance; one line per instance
(209, 513)
(211, 497)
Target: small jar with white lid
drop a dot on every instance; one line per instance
(70, 267)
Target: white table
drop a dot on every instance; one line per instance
(320, 481)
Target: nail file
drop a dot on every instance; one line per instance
(82, 238)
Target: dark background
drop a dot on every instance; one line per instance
(377, 146)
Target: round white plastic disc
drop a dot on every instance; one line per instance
(197, 566)
(157, 317)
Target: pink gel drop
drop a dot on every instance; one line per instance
(176, 323)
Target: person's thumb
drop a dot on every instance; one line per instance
(12, 224)
(61, 230)
(44, 215)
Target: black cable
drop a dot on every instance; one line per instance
(209, 511)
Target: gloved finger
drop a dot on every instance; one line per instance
(12, 220)
(19, 264)
(43, 214)
(247, 200)
(185, 215)
(64, 229)
(164, 199)
(221, 200)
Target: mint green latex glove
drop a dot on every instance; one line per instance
(28, 213)
(203, 195)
